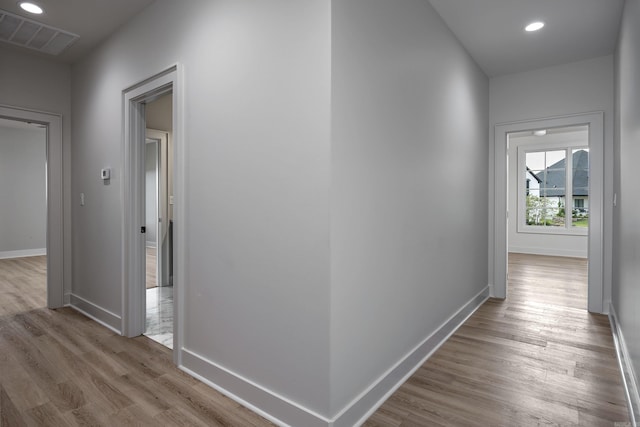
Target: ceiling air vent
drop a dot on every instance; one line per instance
(25, 32)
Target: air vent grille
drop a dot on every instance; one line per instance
(25, 32)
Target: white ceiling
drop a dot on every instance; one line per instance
(491, 30)
(92, 20)
(493, 33)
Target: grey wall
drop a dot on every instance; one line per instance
(23, 211)
(257, 137)
(572, 88)
(409, 194)
(43, 85)
(626, 290)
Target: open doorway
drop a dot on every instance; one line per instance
(23, 214)
(546, 217)
(55, 290)
(139, 100)
(548, 202)
(159, 221)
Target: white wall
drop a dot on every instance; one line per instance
(578, 87)
(410, 150)
(40, 84)
(257, 138)
(626, 292)
(23, 211)
(540, 243)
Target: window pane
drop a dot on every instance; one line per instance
(545, 188)
(580, 174)
(535, 160)
(555, 217)
(554, 176)
(555, 159)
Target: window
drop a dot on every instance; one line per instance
(553, 189)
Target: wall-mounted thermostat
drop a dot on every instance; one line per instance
(105, 174)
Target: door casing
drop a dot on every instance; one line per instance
(133, 253)
(55, 197)
(498, 260)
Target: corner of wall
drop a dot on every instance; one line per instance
(357, 412)
(629, 377)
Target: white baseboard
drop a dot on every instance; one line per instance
(104, 317)
(284, 412)
(23, 253)
(629, 377)
(549, 251)
(358, 411)
(277, 409)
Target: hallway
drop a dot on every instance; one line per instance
(538, 358)
(521, 362)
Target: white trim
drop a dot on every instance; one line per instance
(285, 412)
(180, 249)
(103, 316)
(55, 193)
(629, 378)
(276, 408)
(548, 251)
(595, 120)
(23, 253)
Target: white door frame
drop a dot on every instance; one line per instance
(55, 201)
(133, 260)
(595, 121)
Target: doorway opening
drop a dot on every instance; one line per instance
(159, 220)
(545, 202)
(23, 214)
(161, 148)
(548, 202)
(31, 223)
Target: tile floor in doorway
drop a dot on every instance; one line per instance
(159, 323)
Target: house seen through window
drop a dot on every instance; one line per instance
(555, 183)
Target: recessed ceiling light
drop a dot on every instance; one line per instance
(534, 26)
(31, 7)
(541, 132)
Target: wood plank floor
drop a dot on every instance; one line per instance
(536, 359)
(59, 368)
(527, 361)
